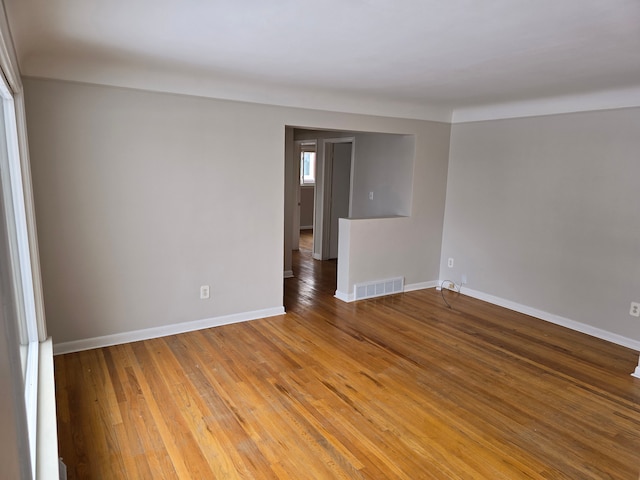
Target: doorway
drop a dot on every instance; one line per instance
(305, 155)
(338, 159)
(334, 162)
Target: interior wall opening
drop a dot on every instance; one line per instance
(357, 175)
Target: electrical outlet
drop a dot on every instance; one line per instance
(634, 311)
(370, 195)
(450, 262)
(204, 292)
(464, 279)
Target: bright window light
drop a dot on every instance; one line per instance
(307, 168)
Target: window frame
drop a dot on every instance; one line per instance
(20, 265)
(306, 148)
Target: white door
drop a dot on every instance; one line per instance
(340, 191)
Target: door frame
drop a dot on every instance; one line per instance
(298, 148)
(325, 216)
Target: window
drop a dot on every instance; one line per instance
(20, 306)
(307, 168)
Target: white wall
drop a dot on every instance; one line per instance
(142, 197)
(545, 212)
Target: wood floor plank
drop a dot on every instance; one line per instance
(223, 426)
(398, 387)
(185, 451)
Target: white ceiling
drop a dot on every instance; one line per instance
(414, 58)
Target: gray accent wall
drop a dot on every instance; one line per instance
(545, 212)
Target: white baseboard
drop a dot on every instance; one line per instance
(306, 227)
(552, 318)
(350, 297)
(163, 331)
(288, 274)
(316, 256)
(637, 371)
(345, 297)
(421, 285)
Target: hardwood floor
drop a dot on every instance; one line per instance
(306, 241)
(397, 387)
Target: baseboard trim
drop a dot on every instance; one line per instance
(306, 227)
(552, 318)
(163, 331)
(350, 297)
(421, 285)
(288, 274)
(345, 297)
(316, 256)
(636, 373)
